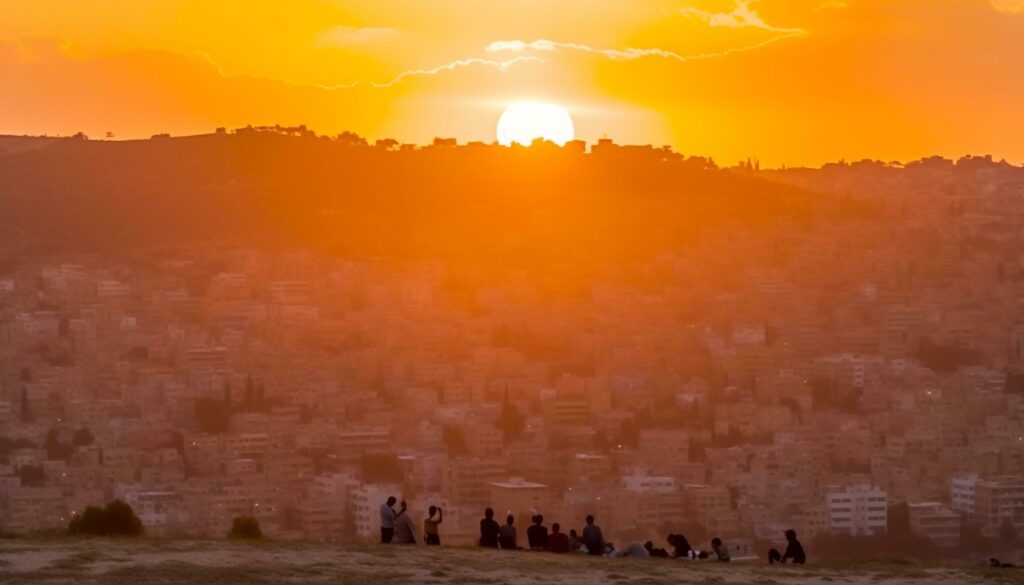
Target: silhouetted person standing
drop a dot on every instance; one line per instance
(558, 542)
(537, 535)
(387, 520)
(507, 540)
(431, 532)
(593, 539)
(489, 530)
(794, 551)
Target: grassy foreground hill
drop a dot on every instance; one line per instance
(142, 562)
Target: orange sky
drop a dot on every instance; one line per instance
(788, 81)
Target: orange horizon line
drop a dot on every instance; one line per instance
(302, 131)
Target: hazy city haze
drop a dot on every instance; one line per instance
(663, 290)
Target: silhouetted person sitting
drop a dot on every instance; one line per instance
(681, 548)
(431, 533)
(489, 530)
(658, 553)
(537, 535)
(996, 563)
(405, 527)
(721, 550)
(593, 539)
(636, 550)
(507, 537)
(574, 540)
(558, 542)
(794, 551)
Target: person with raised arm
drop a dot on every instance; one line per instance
(431, 531)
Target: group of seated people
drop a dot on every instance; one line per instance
(592, 542)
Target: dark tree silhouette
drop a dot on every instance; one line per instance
(245, 528)
(946, 358)
(115, 519)
(211, 416)
(511, 422)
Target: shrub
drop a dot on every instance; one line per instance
(245, 528)
(115, 519)
(89, 522)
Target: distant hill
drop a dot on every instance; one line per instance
(16, 144)
(479, 204)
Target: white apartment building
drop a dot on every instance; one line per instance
(853, 369)
(113, 288)
(160, 511)
(354, 441)
(935, 522)
(858, 510)
(999, 502)
(961, 490)
(651, 500)
(289, 292)
(641, 482)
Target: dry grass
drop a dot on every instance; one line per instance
(156, 562)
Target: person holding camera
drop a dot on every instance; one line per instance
(431, 535)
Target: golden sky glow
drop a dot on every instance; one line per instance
(787, 81)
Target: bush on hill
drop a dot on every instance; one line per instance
(245, 528)
(946, 359)
(115, 519)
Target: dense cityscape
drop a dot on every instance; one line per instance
(823, 372)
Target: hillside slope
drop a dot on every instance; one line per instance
(491, 204)
(217, 562)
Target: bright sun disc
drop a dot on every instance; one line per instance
(525, 122)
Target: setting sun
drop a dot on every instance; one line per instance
(525, 122)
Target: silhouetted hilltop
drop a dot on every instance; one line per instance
(16, 144)
(932, 178)
(348, 197)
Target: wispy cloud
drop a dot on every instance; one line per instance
(1009, 6)
(629, 54)
(459, 64)
(741, 16)
(350, 35)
